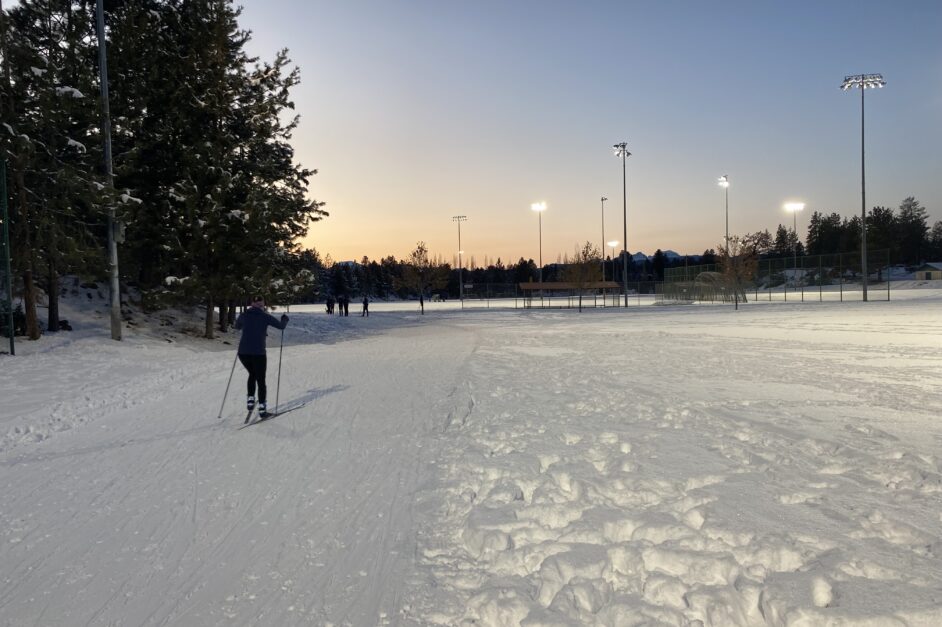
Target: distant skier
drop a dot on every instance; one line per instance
(330, 305)
(366, 307)
(254, 323)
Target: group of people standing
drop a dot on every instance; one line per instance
(343, 305)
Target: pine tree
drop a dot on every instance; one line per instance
(912, 228)
(51, 140)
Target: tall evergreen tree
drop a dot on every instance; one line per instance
(912, 229)
(50, 138)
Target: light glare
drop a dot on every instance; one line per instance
(794, 207)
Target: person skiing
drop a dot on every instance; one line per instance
(366, 307)
(254, 323)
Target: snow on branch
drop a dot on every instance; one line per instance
(69, 91)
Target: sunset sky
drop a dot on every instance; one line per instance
(414, 111)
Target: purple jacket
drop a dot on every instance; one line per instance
(254, 323)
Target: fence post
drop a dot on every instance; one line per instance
(840, 274)
(889, 276)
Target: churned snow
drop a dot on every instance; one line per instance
(779, 465)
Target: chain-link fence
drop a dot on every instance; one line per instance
(503, 295)
(837, 277)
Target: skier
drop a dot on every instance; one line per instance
(366, 307)
(254, 323)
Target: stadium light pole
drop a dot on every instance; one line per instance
(540, 207)
(459, 220)
(794, 208)
(603, 236)
(724, 183)
(621, 150)
(863, 82)
(612, 244)
(115, 300)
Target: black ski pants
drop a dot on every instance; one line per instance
(256, 366)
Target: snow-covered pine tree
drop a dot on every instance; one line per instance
(50, 129)
(207, 152)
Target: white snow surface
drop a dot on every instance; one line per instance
(779, 465)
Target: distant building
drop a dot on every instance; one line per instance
(929, 272)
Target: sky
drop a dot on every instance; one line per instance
(415, 111)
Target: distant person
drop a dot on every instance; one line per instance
(346, 305)
(330, 305)
(254, 323)
(366, 307)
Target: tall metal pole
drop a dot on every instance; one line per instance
(795, 247)
(603, 237)
(724, 183)
(863, 200)
(109, 176)
(624, 207)
(863, 82)
(621, 150)
(459, 220)
(540, 207)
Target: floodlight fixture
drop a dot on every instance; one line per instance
(863, 81)
(794, 206)
(723, 181)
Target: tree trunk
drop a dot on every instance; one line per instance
(223, 316)
(209, 316)
(28, 256)
(52, 325)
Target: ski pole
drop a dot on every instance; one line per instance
(236, 358)
(278, 385)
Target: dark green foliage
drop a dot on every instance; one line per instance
(205, 177)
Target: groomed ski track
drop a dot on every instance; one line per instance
(306, 519)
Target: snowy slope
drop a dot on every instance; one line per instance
(779, 465)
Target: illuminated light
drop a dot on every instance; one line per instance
(723, 181)
(538, 206)
(794, 206)
(863, 81)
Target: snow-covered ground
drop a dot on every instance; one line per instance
(651, 465)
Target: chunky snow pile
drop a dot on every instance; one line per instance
(780, 465)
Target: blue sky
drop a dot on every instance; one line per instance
(415, 111)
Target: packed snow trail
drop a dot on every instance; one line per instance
(155, 512)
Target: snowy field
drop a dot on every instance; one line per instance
(780, 465)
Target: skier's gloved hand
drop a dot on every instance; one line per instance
(284, 318)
